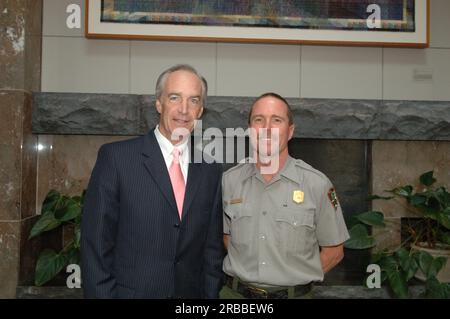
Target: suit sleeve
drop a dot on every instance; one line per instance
(214, 250)
(98, 228)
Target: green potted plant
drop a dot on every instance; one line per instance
(57, 211)
(424, 251)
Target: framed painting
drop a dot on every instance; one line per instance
(400, 23)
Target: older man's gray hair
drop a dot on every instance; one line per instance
(161, 82)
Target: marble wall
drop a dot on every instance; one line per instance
(17, 182)
(66, 162)
(399, 163)
(20, 65)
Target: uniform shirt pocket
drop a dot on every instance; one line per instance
(295, 231)
(241, 221)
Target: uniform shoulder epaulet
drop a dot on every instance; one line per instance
(238, 166)
(309, 168)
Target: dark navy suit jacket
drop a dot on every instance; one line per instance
(133, 244)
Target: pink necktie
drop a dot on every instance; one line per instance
(177, 180)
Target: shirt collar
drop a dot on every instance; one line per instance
(250, 170)
(167, 147)
(289, 171)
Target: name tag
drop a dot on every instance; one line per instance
(235, 201)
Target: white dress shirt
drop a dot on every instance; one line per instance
(167, 147)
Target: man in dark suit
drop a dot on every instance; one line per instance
(152, 219)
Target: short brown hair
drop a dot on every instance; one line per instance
(277, 96)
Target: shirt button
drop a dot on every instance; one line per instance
(295, 223)
(264, 213)
(263, 263)
(263, 237)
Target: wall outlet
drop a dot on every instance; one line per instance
(423, 74)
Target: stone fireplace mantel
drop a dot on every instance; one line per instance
(128, 114)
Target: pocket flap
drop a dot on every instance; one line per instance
(236, 211)
(296, 218)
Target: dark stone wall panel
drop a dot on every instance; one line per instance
(122, 114)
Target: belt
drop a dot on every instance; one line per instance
(252, 292)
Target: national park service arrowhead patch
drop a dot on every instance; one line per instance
(333, 198)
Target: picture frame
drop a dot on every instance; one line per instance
(407, 28)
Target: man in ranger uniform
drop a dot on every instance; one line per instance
(283, 225)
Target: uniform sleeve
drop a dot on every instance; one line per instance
(226, 218)
(330, 225)
(226, 224)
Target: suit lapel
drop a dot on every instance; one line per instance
(154, 162)
(193, 182)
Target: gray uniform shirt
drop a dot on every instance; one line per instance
(276, 228)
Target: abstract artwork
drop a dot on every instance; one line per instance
(397, 15)
(352, 22)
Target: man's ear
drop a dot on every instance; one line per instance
(200, 113)
(291, 131)
(158, 106)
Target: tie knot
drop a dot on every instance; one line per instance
(176, 154)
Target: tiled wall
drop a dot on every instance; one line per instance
(72, 63)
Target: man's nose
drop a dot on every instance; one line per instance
(265, 125)
(265, 131)
(183, 108)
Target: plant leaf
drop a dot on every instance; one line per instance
(436, 265)
(407, 262)
(48, 266)
(445, 237)
(73, 256)
(398, 283)
(424, 260)
(77, 199)
(359, 238)
(436, 289)
(372, 218)
(444, 196)
(404, 191)
(50, 201)
(427, 178)
(77, 236)
(444, 220)
(378, 256)
(70, 211)
(432, 205)
(44, 223)
(388, 263)
(417, 200)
